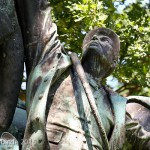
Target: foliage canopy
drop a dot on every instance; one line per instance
(75, 18)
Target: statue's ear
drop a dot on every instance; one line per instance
(115, 62)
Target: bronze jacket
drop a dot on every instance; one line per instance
(71, 117)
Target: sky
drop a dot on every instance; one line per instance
(127, 2)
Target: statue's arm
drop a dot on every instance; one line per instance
(39, 32)
(35, 22)
(136, 136)
(48, 63)
(137, 121)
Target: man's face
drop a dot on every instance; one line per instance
(99, 55)
(101, 47)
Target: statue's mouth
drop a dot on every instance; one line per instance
(94, 49)
(95, 46)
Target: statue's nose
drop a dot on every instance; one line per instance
(95, 37)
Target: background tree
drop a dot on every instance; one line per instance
(75, 18)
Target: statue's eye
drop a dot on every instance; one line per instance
(105, 39)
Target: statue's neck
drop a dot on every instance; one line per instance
(96, 82)
(93, 67)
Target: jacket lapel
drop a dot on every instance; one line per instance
(119, 109)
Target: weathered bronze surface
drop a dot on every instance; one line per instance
(59, 114)
(11, 62)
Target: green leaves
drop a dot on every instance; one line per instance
(75, 18)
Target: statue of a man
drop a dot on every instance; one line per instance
(59, 114)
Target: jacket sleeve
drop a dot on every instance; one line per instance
(51, 62)
(136, 137)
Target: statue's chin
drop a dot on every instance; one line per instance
(94, 50)
(92, 63)
(95, 62)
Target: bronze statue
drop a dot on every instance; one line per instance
(59, 113)
(11, 62)
(68, 108)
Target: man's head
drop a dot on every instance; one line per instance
(100, 52)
